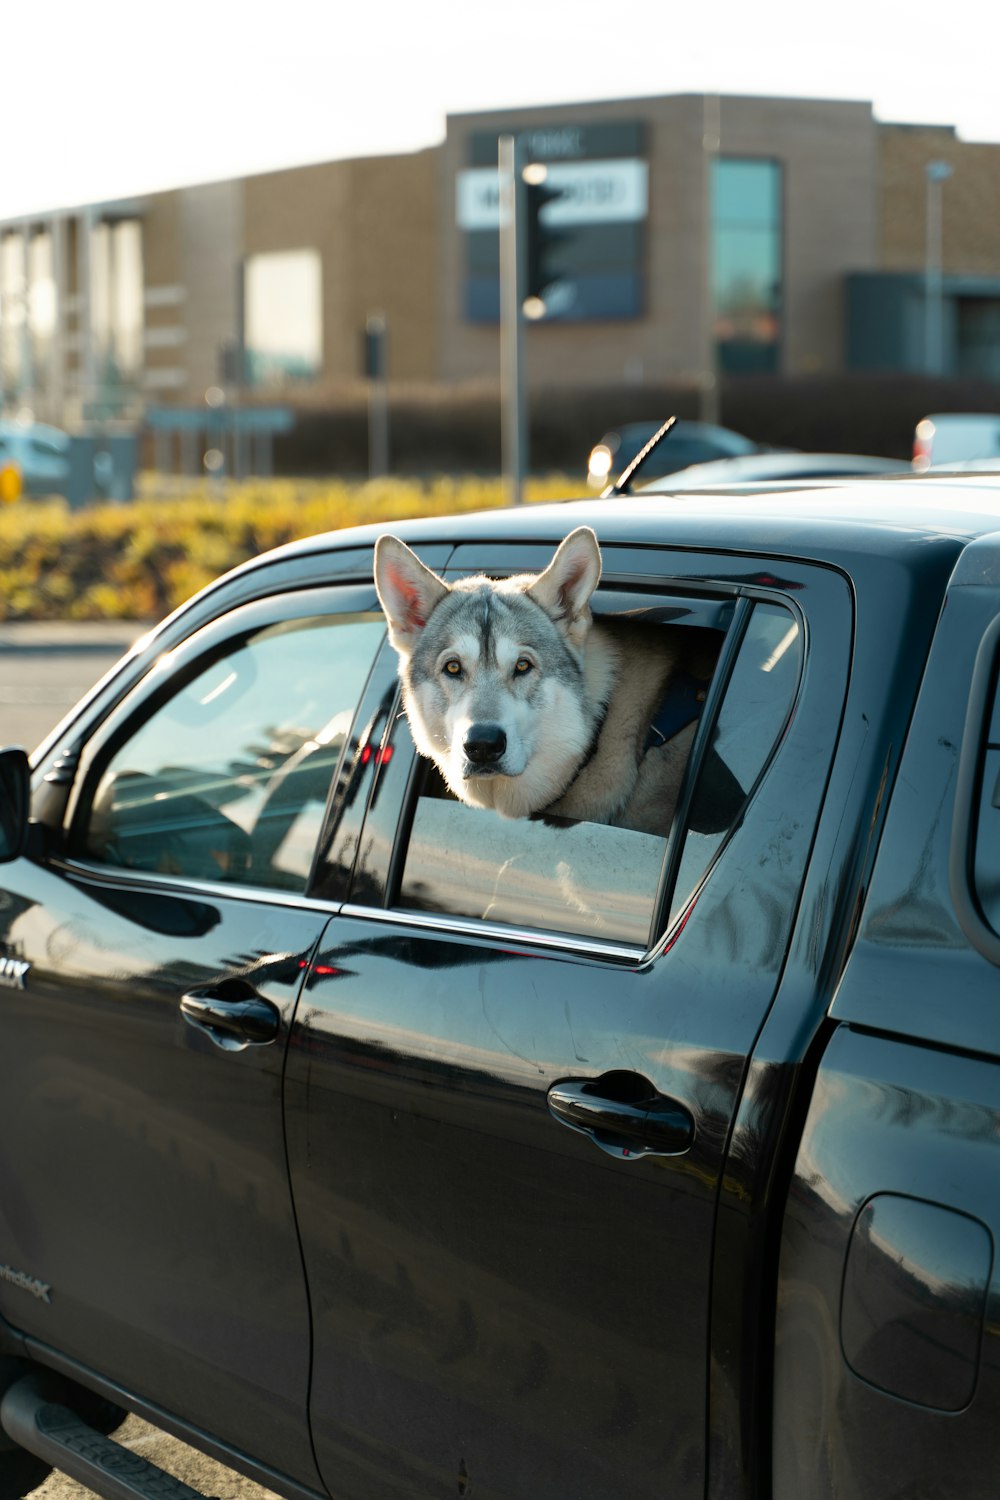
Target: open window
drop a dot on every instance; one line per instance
(615, 885)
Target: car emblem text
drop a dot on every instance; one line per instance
(39, 1289)
(13, 972)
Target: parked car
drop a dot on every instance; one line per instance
(381, 1150)
(771, 468)
(687, 443)
(40, 452)
(955, 437)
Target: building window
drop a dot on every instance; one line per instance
(283, 312)
(42, 304)
(116, 307)
(13, 312)
(746, 263)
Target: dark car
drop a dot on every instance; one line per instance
(380, 1158)
(770, 468)
(687, 443)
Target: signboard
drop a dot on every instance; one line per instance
(603, 182)
(220, 418)
(593, 192)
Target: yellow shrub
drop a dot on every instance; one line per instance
(138, 561)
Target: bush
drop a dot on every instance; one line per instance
(141, 560)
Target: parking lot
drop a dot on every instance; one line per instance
(46, 667)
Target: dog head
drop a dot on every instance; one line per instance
(493, 671)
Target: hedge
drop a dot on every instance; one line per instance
(140, 560)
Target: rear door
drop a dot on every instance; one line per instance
(514, 1069)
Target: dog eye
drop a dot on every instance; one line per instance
(522, 665)
(453, 667)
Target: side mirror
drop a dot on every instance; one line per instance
(15, 802)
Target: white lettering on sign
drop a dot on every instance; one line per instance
(593, 192)
(549, 145)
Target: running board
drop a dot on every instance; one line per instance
(54, 1433)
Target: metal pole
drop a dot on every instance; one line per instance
(937, 172)
(378, 401)
(711, 131)
(514, 410)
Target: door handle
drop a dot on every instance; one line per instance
(624, 1114)
(233, 1015)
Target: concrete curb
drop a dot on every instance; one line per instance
(71, 635)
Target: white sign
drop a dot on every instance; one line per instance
(593, 192)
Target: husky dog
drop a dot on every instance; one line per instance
(527, 704)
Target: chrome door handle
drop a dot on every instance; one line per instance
(624, 1114)
(232, 1022)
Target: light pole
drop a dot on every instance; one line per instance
(936, 173)
(510, 161)
(711, 133)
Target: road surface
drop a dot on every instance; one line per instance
(45, 668)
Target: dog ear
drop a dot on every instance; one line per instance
(407, 591)
(564, 589)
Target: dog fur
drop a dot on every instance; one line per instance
(525, 702)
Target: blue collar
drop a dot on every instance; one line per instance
(684, 701)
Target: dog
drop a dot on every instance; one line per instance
(528, 705)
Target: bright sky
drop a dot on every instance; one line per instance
(109, 98)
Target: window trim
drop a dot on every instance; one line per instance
(983, 691)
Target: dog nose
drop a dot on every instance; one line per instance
(485, 743)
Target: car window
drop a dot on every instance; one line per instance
(752, 715)
(45, 448)
(589, 879)
(228, 778)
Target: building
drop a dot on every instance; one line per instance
(690, 234)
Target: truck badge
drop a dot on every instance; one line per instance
(13, 973)
(39, 1289)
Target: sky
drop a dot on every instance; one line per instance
(111, 98)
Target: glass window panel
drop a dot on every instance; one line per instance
(284, 317)
(753, 713)
(228, 779)
(746, 192)
(747, 263)
(583, 878)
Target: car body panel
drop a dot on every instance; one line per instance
(164, 1153)
(886, 1346)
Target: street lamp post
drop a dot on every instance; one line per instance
(937, 173)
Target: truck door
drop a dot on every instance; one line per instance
(513, 1071)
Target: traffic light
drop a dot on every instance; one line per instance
(542, 242)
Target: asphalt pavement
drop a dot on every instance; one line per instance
(46, 667)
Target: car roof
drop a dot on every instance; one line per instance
(765, 466)
(11, 427)
(834, 523)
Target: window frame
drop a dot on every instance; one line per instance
(640, 590)
(981, 733)
(164, 677)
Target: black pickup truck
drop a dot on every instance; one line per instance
(332, 1110)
